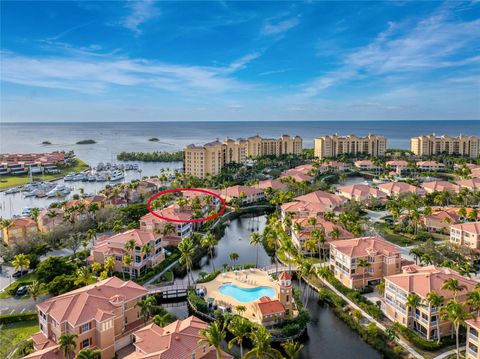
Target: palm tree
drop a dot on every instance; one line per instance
(456, 313)
(146, 306)
(304, 270)
(319, 236)
(21, 261)
(83, 275)
(256, 240)
(473, 299)
(234, 257)
(92, 235)
(261, 345)
(240, 309)
(453, 285)
(413, 302)
(127, 262)
(89, 353)
(209, 242)
(292, 349)
(146, 250)
(109, 265)
(52, 214)
(187, 251)
(436, 300)
(168, 228)
(240, 328)
(161, 320)
(34, 213)
(67, 343)
(213, 335)
(35, 289)
(363, 263)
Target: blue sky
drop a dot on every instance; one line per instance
(225, 60)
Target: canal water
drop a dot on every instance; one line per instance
(328, 337)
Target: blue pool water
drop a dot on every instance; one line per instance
(246, 295)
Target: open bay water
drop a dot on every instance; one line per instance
(113, 138)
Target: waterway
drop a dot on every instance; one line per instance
(328, 337)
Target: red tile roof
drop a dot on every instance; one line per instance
(364, 246)
(268, 306)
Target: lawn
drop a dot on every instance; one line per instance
(13, 181)
(12, 334)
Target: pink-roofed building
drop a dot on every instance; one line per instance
(114, 246)
(50, 218)
(367, 165)
(361, 193)
(475, 172)
(472, 184)
(19, 230)
(430, 166)
(178, 340)
(440, 221)
(247, 194)
(313, 204)
(302, 231)
(173, 232)
(397, 165)
(421, 281)
(439, 186)
(102, 315)
(304, 169)
(328, 200)
(298, 177)
(383, 258)
(473, 339)
(396, 189)
(273, 184)
(302, 209)
(466, 234)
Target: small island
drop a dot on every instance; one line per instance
(86, 142)
(159, 156)
(154, 139)
(46, 143)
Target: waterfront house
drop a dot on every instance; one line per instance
(466, 234)
(329, 201)
(421, 281)
(179, 339)
(361, 193)
(19, 231)
(114, 246)
(246, 194)
(367, 165)
(473, 339)
(430, 166)
(397, 165)
(439, 186)
(273, 184)
(102, 315)
(50, 218)
(399, 189)
(381, 259)
(297, 177)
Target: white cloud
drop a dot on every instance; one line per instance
(276, 27)
(141, 12)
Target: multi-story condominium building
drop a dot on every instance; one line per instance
(430, 166)
(439, 221)
(424, 319)
(472, 184)
(466, 234)
(334, 145)
(247, 194)
(430, 145)
(473, 339)
(21, 163)
(102, 315)
(367, 165)
(179, 339)
(209, 159)
(114, 246)
(313, 204)
(383, 258)
(19, 230)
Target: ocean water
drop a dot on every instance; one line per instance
(113, 138)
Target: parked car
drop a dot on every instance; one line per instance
(18, 274)
(22, 291)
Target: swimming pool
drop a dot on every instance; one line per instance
(246, 295)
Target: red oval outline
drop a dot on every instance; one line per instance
(197, 220)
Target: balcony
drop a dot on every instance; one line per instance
(473, 337)
(472, 352)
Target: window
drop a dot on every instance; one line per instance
(126, 320)
(85, 327)
(85, 343)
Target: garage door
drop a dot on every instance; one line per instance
(123, 342)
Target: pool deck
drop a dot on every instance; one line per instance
(248, 278)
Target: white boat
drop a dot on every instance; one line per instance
(116, 176)
(69, 177)
(12, 190)
(100, 178)
(79, 177)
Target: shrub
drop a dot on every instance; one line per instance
(421, 342)
(12, 288)
(197, 302)
(18, 317)
(209, 277)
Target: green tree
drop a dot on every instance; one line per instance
(456, 313)
(35, 289)
(261, 345)
(240, 328)
(67, 343)
(234, 257)
(292, 349)
(89, 353)
(453, 285)
(83, 276)
(413, 302)
(473, 299)
(162, 319)
(436, 301)
(213, 335)
(187, 251)
(209, 242)
(256, 241)
(146, 307)
(21, 261)
(109, 264)
(127, 262)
